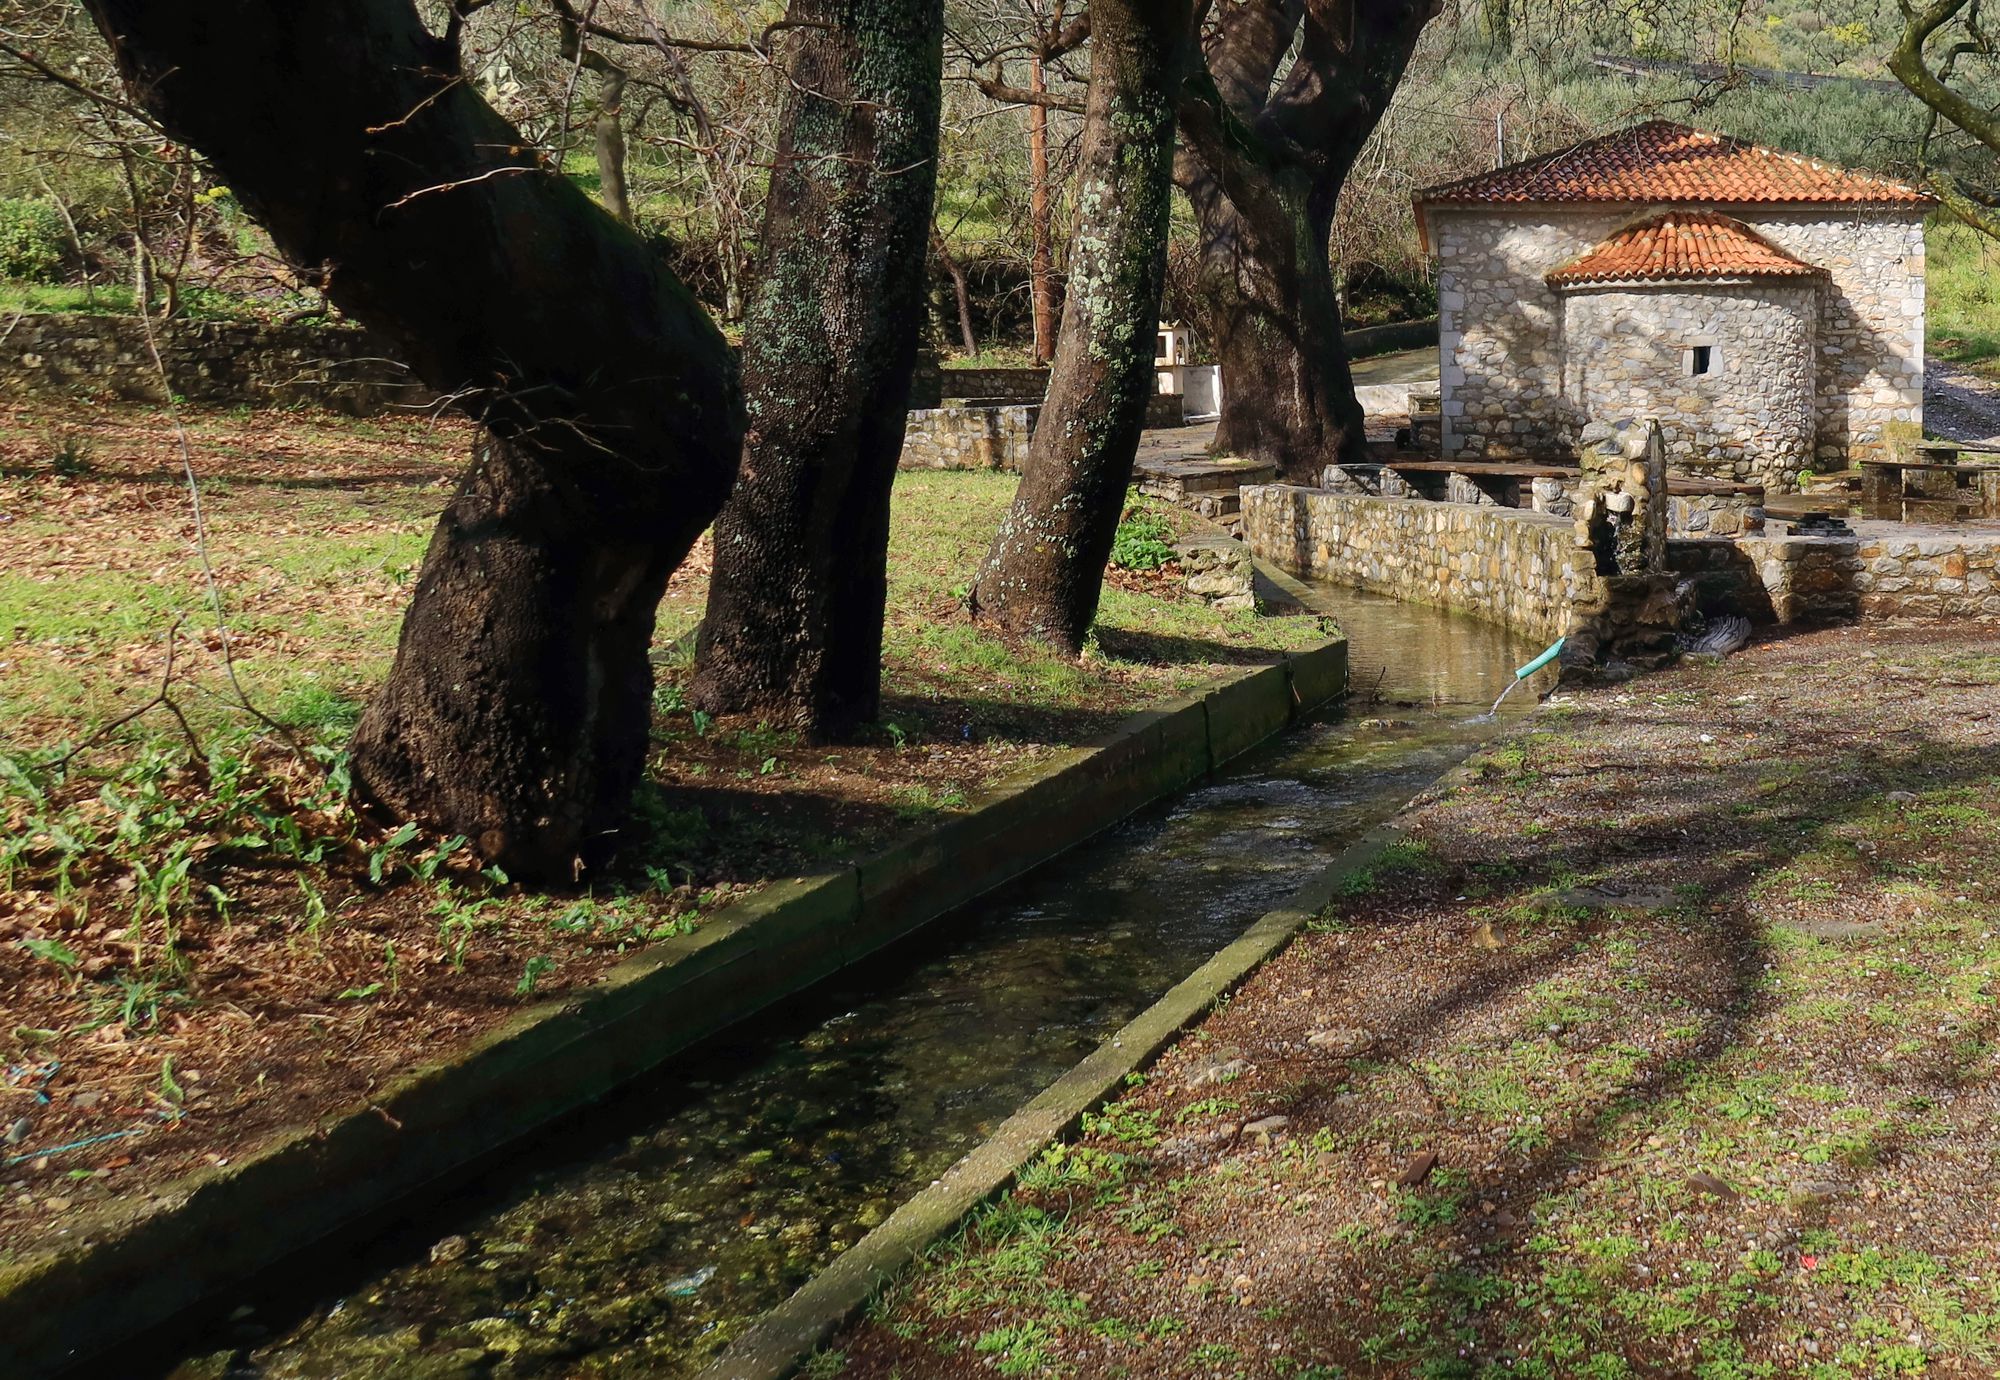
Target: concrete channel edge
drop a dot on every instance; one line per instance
(137, 1268)
(780, 1342)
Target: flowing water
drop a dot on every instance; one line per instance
(649, 1233)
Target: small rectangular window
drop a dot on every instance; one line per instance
(1701, 359)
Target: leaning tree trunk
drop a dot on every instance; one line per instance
(1042, 576)
(795, 607)
(961, 292)
(1295, 89)
(515, 713)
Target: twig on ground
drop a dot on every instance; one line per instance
(164, 696)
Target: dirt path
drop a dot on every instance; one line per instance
(1666, 1046)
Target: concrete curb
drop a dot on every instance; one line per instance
(777, 1344)
(1369, 341)
(138, 1265)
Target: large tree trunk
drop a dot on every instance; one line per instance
(1274, 322)
(516, 707)
(794, 623)
(1268, 144)
(1041, 578)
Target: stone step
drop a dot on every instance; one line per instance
(1180, 479)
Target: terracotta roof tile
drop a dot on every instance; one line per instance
(1681, 245)
(1662, 161)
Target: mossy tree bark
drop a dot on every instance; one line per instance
(794, 623)
(517, 709)
(1266, 146)
(1042, 576)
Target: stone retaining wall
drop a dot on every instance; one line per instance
(992, 436)
(1773, 579)
(1929, 576)
(968, 438)
(995, 385)
(213, 363)
(1511, 565)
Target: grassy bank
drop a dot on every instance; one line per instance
(1665, 1046)
(1963, 288)
(200, 941)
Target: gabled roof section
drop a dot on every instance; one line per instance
(1663, 161)
(1681, 246)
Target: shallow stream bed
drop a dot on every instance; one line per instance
(637, 1241)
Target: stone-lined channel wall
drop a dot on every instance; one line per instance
(212, 363)
(1511, 565)
(1523, 568)
(141, 1260)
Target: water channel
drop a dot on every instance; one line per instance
(639, 1240)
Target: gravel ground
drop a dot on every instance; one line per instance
(1666, 1047)
(1961, 404)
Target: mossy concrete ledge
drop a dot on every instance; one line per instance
(778, 1344)
(141, 1263)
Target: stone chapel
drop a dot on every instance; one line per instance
(1766, 308)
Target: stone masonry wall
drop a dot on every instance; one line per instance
(1500, 337)
(1929, 576)
(1752, 417)
(967, 438)
(1524, 568)
(214, 363)
(1806, 579)
(1510, 565)
(995, 385)
(986, 387)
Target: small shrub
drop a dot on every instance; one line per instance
(69, 454)
(32, 241)
(1142, 542)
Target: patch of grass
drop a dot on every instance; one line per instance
(318, 709)
(1962, 293)
(1400, 859)
(116, 299)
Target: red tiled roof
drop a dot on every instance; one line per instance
(1662, 161)
(1681, 245)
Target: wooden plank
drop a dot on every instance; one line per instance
(1477, 469)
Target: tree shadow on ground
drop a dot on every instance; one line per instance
(1173, 649)
(1719, 958)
